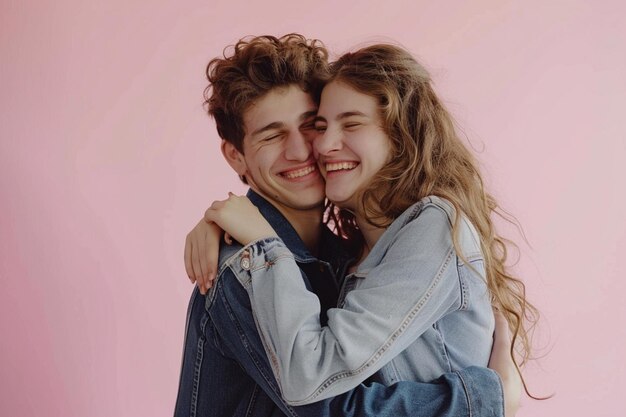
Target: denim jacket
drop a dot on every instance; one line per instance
(414, 309)
(226, 372)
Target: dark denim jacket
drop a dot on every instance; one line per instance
(225, 370)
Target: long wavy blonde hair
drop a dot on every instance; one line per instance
(428, 158)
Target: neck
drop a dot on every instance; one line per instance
(306, 223)
(371, 234)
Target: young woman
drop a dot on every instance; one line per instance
(408, 198)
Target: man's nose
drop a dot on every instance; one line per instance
(298, 147)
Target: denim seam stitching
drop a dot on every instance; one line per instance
(250, 408)
(182, 362)
(197, 368)
(444, 350)
(467, 394)
(269, 263)
(464, 290)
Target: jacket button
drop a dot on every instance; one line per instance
(245, 261)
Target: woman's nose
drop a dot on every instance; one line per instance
(327, 142)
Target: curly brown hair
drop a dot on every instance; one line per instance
(256, 66)
(428, 158)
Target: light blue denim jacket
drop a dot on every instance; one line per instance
(413, 309)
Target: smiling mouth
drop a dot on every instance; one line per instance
(340, 166)
(298, 173)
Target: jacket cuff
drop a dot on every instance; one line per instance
(257, 255)
(484, 391)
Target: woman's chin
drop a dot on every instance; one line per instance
(343, 202)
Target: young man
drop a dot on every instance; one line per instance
(261, 98)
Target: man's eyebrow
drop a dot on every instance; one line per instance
(279, 125)
(271, 126)
(307, 115)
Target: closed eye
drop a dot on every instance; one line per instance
(351, 126)
(320, 127)
(308, 126)
(272, 137)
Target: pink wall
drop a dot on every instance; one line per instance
(107, 159)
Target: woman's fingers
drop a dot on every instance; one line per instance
(201, 244)
(187, 258)
(212, 252)
(212, 213)
(197, 269)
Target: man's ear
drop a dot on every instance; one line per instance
(234, 158)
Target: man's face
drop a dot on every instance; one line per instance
(278, 158)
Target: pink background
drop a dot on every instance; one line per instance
(107, 160)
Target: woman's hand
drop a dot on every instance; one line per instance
(503, 364)
(202, 247)
(238, 217)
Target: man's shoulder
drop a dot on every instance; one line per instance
(226, 253)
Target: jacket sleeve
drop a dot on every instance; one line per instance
(470, 392)
(415, 285)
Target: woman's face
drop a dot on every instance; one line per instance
(351, 146)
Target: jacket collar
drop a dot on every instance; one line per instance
(331, 248)
(283, 228)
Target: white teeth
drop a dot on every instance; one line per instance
(300, 173)
(336, 166)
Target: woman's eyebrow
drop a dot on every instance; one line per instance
(347, 114)
(341, 116)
